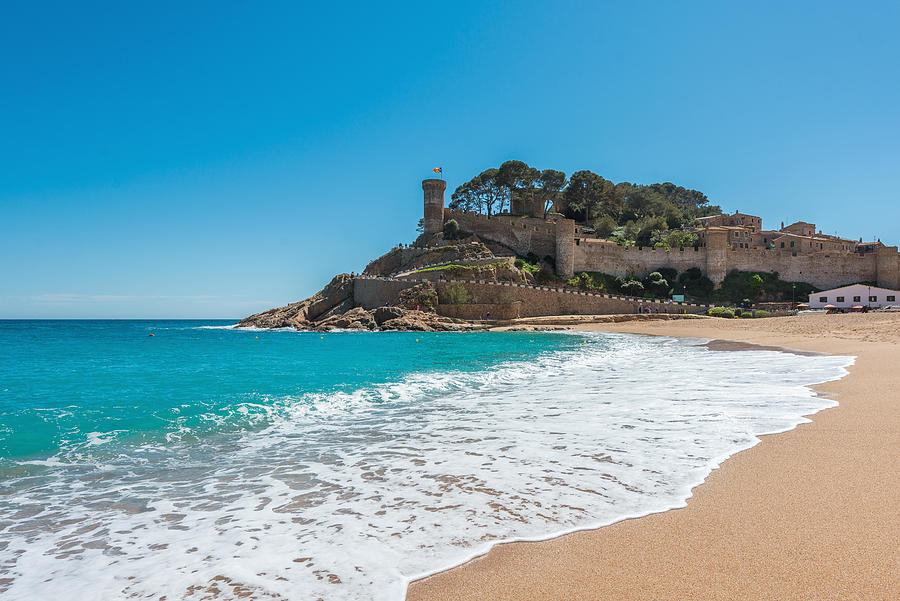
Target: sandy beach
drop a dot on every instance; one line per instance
(813, 513)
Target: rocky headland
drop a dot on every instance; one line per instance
(413, 308)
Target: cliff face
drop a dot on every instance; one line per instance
(336, 297)
(334, 308)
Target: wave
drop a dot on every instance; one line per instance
(353, 494)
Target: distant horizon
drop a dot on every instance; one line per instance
(228, 160)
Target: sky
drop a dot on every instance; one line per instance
(212, 160)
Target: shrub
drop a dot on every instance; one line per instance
(456, 294)
(451, 229)
(605, 226)
(761, 313)
(728, 313)
(632, 288)
(746, 314)
(715, 312)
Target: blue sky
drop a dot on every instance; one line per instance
(216, 159)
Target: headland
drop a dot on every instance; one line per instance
(666, 252)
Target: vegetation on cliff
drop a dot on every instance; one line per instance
(737, 287)
(628, 212)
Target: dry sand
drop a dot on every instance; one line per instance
(813, 513)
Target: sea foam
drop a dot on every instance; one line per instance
(351, 495)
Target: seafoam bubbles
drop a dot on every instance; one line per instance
(348, 495)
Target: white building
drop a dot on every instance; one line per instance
(855, 295)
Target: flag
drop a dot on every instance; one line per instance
(438, 170)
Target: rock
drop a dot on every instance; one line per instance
(301, 315)
(383, 314)
(354, 319)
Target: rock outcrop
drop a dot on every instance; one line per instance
(333, 308)
(334, 299)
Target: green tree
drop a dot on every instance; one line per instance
(519, 181)
(585, 192)
(451, 229)
(484, 193)
(656, 284)
(648, 227)
(550, 184)
(632, 288)
(679, 239)
(605, 226)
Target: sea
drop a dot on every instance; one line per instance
(188, 459)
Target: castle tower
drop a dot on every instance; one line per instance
(565, 248)
(887, 267)
(716, 255)
(434, 204)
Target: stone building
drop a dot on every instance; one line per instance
(796, 252)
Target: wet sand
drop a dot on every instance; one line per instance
(813, 513)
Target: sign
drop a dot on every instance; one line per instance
(678, 298)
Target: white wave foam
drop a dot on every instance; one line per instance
(353, 494)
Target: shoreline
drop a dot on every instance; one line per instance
(812, 512)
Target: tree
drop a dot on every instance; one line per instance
(657, 284)
(549, 187)
(632, 288)
(451, 229)
(649, 227)
(605, 226)
(520, 183)
(482, 194)
(585, 193)
(678, 239)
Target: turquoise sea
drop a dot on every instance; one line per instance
(148, 458)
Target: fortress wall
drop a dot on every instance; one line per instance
(369, 293)
(480, 311)
(530, 301)
(542, 301)
(522, 234)
(608, 257)
(823, 270)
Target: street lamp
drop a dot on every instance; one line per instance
(793, 294)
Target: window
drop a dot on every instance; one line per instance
(840, 299)
(782, 245)
(891, 299)
(792, 244)
(856, 299)
(823, 299)
(873, 299)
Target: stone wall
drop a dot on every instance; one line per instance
(522, 234)
(532, 301)
(370, 293)
(823, 270)
(608, 257)
(538, 301)
(473, 311)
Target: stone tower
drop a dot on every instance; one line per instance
(434, 204)
(716, 255)
(887, 267)
(565, 248)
